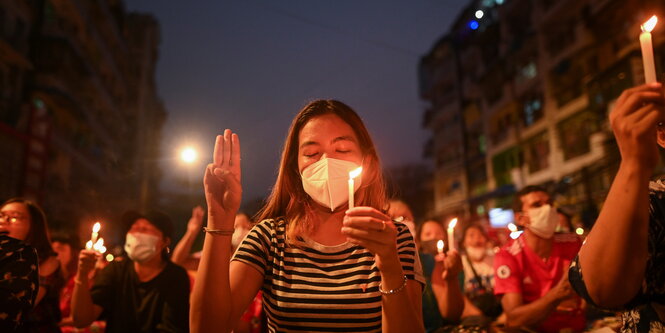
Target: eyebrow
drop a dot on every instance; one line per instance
(335, 140)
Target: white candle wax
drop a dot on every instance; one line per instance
(352, 185)
(647, 50)
(351, 198)
(451, 234)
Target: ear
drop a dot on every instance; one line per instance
(660, 136)
(522, 219)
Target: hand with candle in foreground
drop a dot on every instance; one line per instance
(634, 120)
(372, 229)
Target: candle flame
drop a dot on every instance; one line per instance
(579, 231)
(98, 245)
(355, 172)
(88, 245)
(439, 245)
(512, 227)
(650, 24)
(452, 223)
(96, 227)
(102, 249)
(109, 257)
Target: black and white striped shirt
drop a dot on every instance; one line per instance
(312, 287)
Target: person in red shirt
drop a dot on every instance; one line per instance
(531, 271)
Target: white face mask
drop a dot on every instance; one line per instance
(476, 253)
(326, 181)
(544, 220)
(140, 247)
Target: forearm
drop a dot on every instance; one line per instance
(210, 306)
(450, 299)
(531, 314)
(614, 255)
(402, 311)
(83, 313)
(182, 249)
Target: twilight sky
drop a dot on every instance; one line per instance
(251, 65)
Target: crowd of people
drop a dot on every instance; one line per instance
(325, 256)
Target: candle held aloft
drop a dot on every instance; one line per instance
(451, 234)
(647, 49)
(353, 174)
(439, 246)
(95, 232)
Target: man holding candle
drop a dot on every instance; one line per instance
(622, 263)
(531, 271)
(144, 293)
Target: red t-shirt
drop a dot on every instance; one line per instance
(517, 269)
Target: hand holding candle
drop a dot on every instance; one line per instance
(451, 234)
(353, 174)
(647, 49)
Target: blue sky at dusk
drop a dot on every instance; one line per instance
(251, 65)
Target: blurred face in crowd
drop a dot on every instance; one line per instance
(431, 230)
(474, 238)
(15, 220)
(143, 226)
(529, 201)
(64, 252)
(327, 136)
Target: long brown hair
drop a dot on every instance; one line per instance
(38, 235)
(288, 198)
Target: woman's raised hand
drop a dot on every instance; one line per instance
(223, 190)
(634, 120)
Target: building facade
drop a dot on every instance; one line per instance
(80, 118)
(519, 92)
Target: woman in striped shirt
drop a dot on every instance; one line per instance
(321, 266)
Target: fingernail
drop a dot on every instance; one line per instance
(345, 230)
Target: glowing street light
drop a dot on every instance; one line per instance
(188, 155)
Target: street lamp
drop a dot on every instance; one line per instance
(188, 155)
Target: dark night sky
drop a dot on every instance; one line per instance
(251, 65)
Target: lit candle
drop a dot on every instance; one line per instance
(95, 232)
(451, 234)
(353, 174)
(439, 246)
(647, 49)
(512, 227)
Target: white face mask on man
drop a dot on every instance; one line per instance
(544, 220)
(326, 181)
(140, 247)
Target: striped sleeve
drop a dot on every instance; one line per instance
(255, 248)
(408, 255)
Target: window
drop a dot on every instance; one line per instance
(575, 132)
(538, 152)
(532, 110)
(503, 162)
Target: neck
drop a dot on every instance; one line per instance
(146, 271)
(541, 246)
(328, 226)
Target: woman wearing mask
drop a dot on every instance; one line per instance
(24, 220)
(320, 265)
(442, 300)
(480, 304)
(145, 293)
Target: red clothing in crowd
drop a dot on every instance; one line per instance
(518, 269)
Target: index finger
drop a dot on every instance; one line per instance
(218, 151)
(368, 211)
